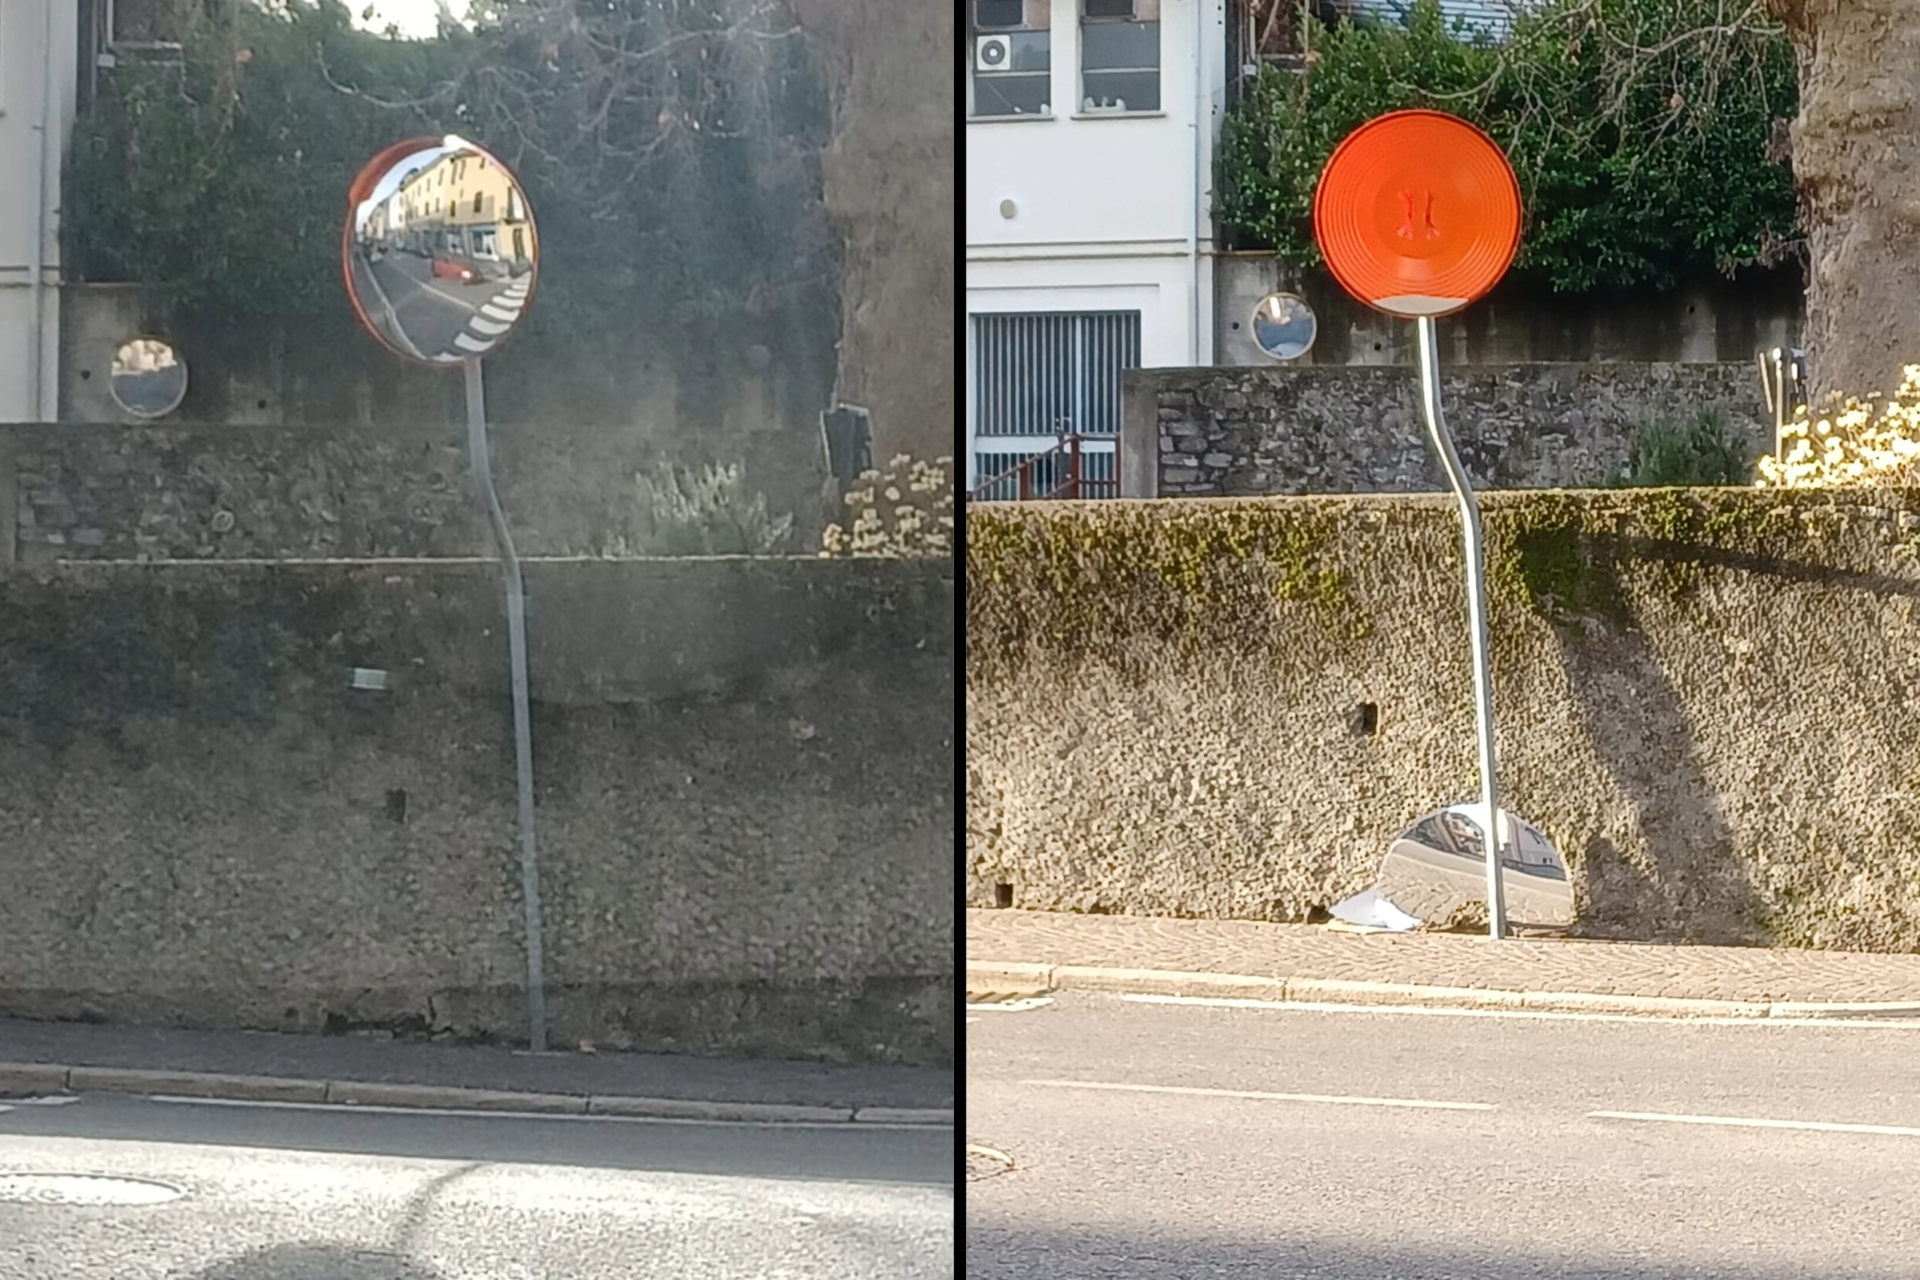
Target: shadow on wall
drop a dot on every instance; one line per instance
(318, 1262)
(1638, 729)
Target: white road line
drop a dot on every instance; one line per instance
(1540, 1015)
(494, 311)
(437, 291)
(467, 342)
(1745, 1122)
(488, 327)
(1255, 1096)
(1023, 1005)
(339, 1108)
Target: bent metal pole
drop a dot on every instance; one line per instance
(1476, 621)
(522, 712)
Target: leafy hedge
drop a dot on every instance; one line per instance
(670, 152)
(1641, 131)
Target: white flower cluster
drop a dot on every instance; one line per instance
(905, 509)
(1855, 447)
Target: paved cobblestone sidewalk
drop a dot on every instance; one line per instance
(1745, 974)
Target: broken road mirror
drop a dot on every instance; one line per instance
(1436, 870)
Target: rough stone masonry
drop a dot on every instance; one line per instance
(1334, 429)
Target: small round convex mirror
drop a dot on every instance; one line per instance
(1284, 326)
(148, 379)
(438, 250)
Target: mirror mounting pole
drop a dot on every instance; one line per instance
(522, 713)
(1476, 618)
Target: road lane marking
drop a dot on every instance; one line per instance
(438, 292)
(468, 1113)
(489, 327)
(494, 311)
(467, 342)
(1024, 1004)
(1422, 1104)
(1747, 1122)
(1539, 1015)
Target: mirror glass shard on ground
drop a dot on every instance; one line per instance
(1436, 869)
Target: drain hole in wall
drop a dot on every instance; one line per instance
(1317, 914)
(1003, 895)
(1365, 719)
(1376, 346)
(86, 375)
(259, 404)
(397, 804)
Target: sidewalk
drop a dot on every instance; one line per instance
(52, 1056)
(1013, 950)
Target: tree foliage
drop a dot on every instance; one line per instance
(1642, 132)
(669, 148)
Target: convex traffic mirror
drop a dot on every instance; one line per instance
(439, 250)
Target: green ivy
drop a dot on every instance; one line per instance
(1638, 129)
(671, 154)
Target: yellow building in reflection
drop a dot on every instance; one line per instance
(464, 205)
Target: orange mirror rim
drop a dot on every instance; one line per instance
(362, 186)
(1413, 176)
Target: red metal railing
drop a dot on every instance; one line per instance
(1060, 472)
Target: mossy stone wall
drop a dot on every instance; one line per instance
(1705, 697)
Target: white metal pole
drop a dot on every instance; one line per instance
(1476, 621)
(37, 285)
(522, 710)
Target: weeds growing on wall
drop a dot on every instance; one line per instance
(1700, 448)
(703, 511)
(1645, 133)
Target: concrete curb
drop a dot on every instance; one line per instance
(18, 1078)
(994, 975)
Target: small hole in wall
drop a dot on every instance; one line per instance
(86, 375)
(1364, 719)
(397, 804)
(1236, 326)
(1317, 914)
(1376, 346)
(1003, 895)
(1690, 310)
(259, 404)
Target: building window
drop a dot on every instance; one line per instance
(476, 202)
(1012, 49)
(1052, 374)
(1119, 56)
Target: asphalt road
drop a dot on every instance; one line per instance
(300, 1194)
(439, 318)
(1264, 1142)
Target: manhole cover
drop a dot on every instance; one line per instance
(82, 1189)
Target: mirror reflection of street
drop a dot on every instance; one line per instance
(435, 318)
(442, 255)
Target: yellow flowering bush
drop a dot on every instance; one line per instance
(1857, 446)
(903, 509)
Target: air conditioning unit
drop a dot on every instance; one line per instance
(992, 53)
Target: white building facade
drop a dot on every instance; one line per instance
(1090, 138)
(39, 80)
